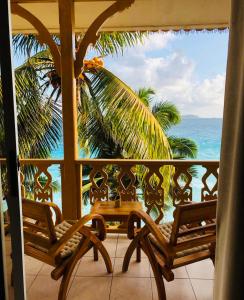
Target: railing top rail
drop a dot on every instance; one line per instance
(91, 161)
(174, 162)
(37, 161)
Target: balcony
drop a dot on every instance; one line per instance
(192, 282)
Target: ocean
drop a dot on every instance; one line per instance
(206, 132)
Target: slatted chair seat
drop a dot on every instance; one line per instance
(72, 244)
(62, 244)
(166, 230)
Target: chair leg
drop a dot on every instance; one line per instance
(135, 244)
(155, 267)
(105, 256)
(138, 253)
(69, 270)
(95, 253)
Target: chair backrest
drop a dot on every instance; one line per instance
(194, 225)
(38, 224)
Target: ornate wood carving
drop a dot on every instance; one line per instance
(43, 34)
(182, 189)
(154, 191)
(91, 35)
(99, 184)
(207, 192)
(43, 189)
(127, 184)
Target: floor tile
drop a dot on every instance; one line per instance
(136, 269)
(90, 288)
(203, 289)
(44, 288)
(29, 279)
(201, 270)
(131, 289)
(122, 246)
(178, 289)
(179, 273)
(89, 267)
(47, 269)
(110, 244)
(32, 265)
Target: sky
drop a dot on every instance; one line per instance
(187, 69)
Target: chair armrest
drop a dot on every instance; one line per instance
(151, 227)
(57, 211)
(77, 227)
(101, 225)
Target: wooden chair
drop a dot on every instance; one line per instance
(61, 244)
(189, 238)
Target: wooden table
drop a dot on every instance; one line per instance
(117, 214)
(111, 213)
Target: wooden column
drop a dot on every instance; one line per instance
(12, 152)
(71, 195)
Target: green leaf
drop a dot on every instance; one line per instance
(167, 114)
(132, 123)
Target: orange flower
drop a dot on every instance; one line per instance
(96, 62)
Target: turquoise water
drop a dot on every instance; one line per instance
(205, 132)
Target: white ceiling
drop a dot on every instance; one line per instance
(142, 15)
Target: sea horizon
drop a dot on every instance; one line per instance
(206, 132)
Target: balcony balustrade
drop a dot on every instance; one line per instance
(147, 180)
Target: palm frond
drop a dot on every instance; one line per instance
(146, 95)
(38, 118)
(183, 147)
(115, 43)
(132, 123)
(28, 44)
(167, 114)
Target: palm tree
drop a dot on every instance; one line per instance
(38, 119)
(168, 115)
(113, 121)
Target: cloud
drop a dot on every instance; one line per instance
(155, 41)
(172, 75)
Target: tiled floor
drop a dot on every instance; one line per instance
(91, 282)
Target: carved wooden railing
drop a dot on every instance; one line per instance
(125, 179)
(42, 190)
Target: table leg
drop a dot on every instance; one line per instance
(95, 251)
(138, 249)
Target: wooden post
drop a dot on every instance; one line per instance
(71, 205)
(12, 152)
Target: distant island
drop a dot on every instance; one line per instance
(190, 117)
(186, 117)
